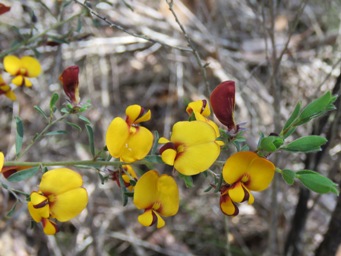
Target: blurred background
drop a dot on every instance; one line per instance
(161, 55)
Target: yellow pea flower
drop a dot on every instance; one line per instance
(244, 172)
(126, 139)
(199, 106)
(22, 68)
(6, 90)
(2, 160)
(192, 148)
(60, 196)
(158, 196)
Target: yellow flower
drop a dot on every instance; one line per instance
(6, 90)
(126, 139)
(157, 196)
(127, 175)
(192, 148)
(22, 68)
(60, 196)
(199, 106)
(2, 160)
(244, 172)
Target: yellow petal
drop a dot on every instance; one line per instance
(237, 193)
(12, 64)
(159, 221)
(200, 117)
(2, 160)
(137, 145)
(237, 165)
(31, 65)
(136, 114)
(168, 156)
(27, 82)
(18, 80)
(197, 158)
(11, 95)
(35, 213)
(261, 172)
(146, 218)
(49, 227)
(69, 204)
(117, 136)
(60, 180)
(145, 193)
(163, 140)
(199, 106)
(168, 196)
(227, 206)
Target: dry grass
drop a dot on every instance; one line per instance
(118, 68)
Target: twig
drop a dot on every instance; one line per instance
(191, 45)
(114, 25)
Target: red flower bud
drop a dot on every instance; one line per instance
(223, 102)
(9, 170)
(69, 79)
(4, 8)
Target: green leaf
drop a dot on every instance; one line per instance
(53, 101)
(83, 118)
(270, 143)
(123, 190)
(154, 150)
(154, 159)
(90, 133)
(75, 126)
(12, 210)
(317, 108)
(317, 182)
(54, 133)
(306, 144)
(24, 174)
(287, 126)
(41, 112)
(288, 176)
(19, 135)
(187, 179)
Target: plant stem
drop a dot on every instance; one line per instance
(89, 163)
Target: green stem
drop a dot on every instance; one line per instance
(42, 133)
(89, 163)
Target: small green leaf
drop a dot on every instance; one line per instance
(19, 135)
(12, 210)
(54, 133)
(156, 159)
(317, 182)
(75, 126)
(123, 190)
(270, 143)
(24, 174)
(187, 179)
(90, 133)
(288, 176)
(155, 146)
(84, 119)
(292, 117)
(41, 112)
(53, 101)
(306, 144)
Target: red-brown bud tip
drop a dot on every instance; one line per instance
(4, 8)
(69, 79)
(223, 102)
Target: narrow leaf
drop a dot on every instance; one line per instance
(19, 135)
(317, 182)
(12, 210)
(306, 144)
(53, 101)
(292, 117)
(24, 174)
(54, 133)
(75, 126)
(83, 118)
(41, 112)
(288, 176)
(90, 133)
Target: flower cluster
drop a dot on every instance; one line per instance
(21, 70)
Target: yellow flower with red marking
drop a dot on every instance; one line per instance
(60, 196)
(126, 139)
(158, 196)
(22, 69)
(244, 172)
(192, 148)
(6, 90)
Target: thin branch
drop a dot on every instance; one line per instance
(116, 26)
(191, 45)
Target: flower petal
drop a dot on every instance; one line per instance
(69, 204)
(136, 114)
(227, 206)
(116, 136)
(70, 82)
(146, 218)
(237, 193)
(60, 180)
(35, 213)
(31, 65)
(12, 64)
(27, 82)
(137, 145)
(145, 193)
(261, 172)
(2, 160)
(18, 80)
(49, 227)
(168, 196)
(237, 165)
(159, 221)
(199, 106)
(168, 156)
